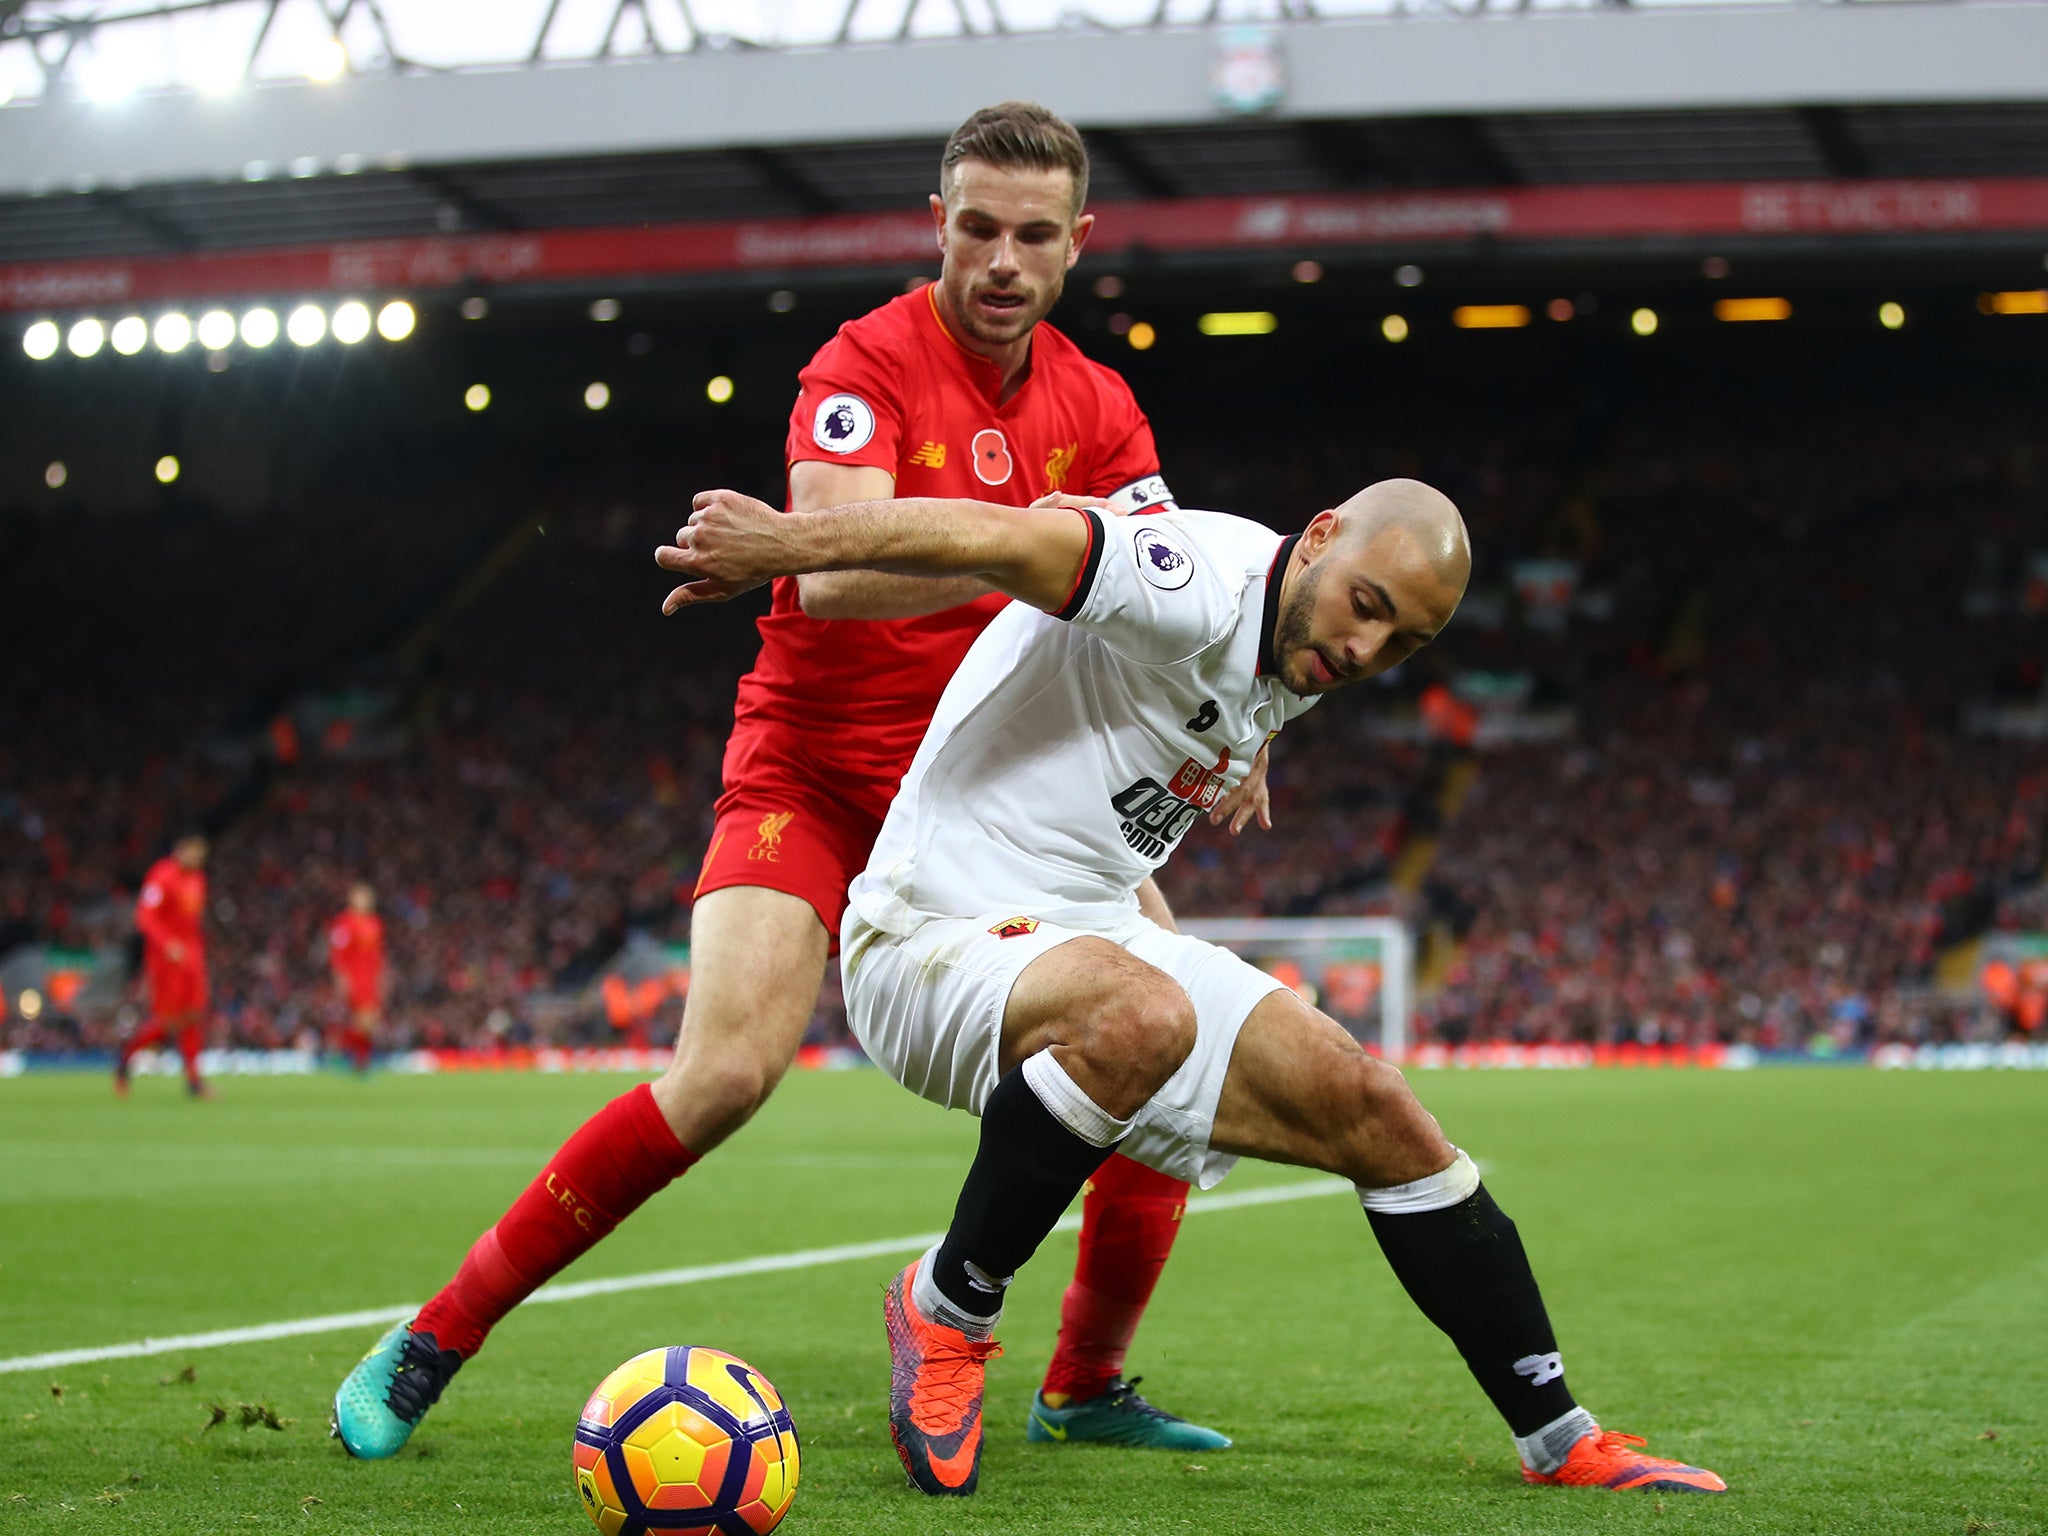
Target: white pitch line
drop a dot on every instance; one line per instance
(771, 1263)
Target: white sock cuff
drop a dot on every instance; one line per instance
(1069, 1104)
(1547, 1448)
(1434, 1193)
(939, 1308)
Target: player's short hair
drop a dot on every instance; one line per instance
(1020, 135)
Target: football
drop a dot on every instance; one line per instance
(686, 1440)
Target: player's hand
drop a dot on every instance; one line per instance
(1249, 799)
(731, 545)
(1065, 502)
(174, 951)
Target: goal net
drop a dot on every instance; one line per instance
(1358, 970)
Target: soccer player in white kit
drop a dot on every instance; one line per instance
(995, 959)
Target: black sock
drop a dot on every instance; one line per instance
(1027, 1171)
(1465, 1268)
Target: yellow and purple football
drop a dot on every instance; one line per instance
(686, 1441)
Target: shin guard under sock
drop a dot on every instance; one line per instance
(1464, 1266)
(1041, 1137)
(1130, 1216)
(602, 1174)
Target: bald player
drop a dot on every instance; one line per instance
(996, 958)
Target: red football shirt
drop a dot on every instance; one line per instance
(169, 911)
(894, 390)
(355, 947)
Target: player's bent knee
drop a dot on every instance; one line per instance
(706, 1095)
(1386, 1136)
(1149, 1028)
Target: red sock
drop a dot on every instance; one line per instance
(620, 1155)
(355, 1044)
(150, 1034)
(191, 1040)
(1129, 1219)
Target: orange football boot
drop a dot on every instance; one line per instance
(1609, 1460)
(935, 1380)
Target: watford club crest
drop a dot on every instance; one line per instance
(1015, 927)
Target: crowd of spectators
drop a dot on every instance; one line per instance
(1769, 823)
(1764, 822)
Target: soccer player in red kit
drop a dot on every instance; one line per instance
(954, 389)
(168, 913)
(355, 952)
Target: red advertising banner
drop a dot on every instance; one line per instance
(1840, 209)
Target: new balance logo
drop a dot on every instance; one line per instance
(1540, 1369)
(931, 456)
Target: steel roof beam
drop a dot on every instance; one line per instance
(1578, 61)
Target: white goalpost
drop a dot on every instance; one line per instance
(1359, 970)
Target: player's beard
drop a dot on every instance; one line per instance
(1012, 328)
(1291, 631)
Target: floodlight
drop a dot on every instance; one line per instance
(1238, 322)
(85, 337)
(396, 320)
(216, 329)
(259, 327)
(1739, 310)
(41, 339)
(129, 335)
(307, 325)
(351, 322)
(2031, 301)
(1490, 317)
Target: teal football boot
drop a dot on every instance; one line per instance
(1119, 1416)
(384, 1398)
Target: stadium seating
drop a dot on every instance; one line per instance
(1763, 820)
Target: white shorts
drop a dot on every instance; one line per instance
(928, 1009)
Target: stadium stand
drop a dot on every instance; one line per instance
(1725, 793)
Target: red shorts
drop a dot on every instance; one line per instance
(176, 990)
(362, 994)
(792, 823)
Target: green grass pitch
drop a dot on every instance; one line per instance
(1831, 1286)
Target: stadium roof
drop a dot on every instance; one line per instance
(1557, 98)
(1242, 159)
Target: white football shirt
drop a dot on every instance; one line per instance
(1071, 752)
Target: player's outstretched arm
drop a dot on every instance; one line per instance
(733, 543)
(814, 486)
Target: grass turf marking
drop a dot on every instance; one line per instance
(770, 1263)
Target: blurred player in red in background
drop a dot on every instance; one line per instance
(355, 951)
(955, 389)
(168, 913)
